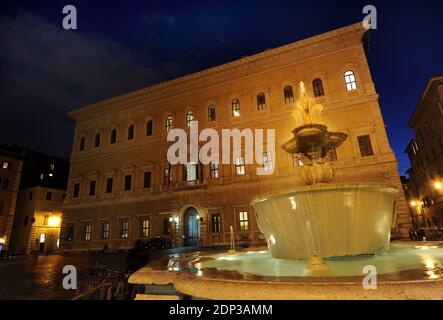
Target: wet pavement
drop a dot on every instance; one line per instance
(19, 279)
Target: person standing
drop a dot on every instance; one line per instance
(35, 251)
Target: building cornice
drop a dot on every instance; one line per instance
(272, 58)
(430, 87)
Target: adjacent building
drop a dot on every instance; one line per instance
(11, 163)
(425, 151)
(39, 203)
(122, 188)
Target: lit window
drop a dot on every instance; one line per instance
(131, 132)
(82, 143)
(42, 176)
(235, 108)
(92, 188)
(167, 175)
(216, 223)
(240, 165)
(105, 230)
(42, 238)
(267, 161)
(415, 147)
(124, 229)
(214, 169)
(243, 219)
(189, 118)
(212, 113)
(351, 83)
(364, 143)
(128, 182)
(5, 165)
(149, 128)
(168, 123)
(145, 228)
(88, 232)
(190, 172)
(49, 196)
(97, 140)
(288, 94)
(317, 86)
(261, 101)
(113, 136)
(296, 161)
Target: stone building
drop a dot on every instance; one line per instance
(122, 188)
(39, 203)
(425, 151)
(11, 163)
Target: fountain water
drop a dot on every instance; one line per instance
(323, 219)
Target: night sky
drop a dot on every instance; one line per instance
(120, 46)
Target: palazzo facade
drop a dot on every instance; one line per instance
(122, 188)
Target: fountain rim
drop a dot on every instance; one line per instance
(326, 187)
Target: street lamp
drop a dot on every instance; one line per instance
(438, 185)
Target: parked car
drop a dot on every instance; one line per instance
(158, 243)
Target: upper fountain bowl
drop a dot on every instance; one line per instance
(327, 220)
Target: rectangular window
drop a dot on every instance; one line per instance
(190, 172)
(211, 114)
(76, 190)
(167, 175)
(296, 161)
(5, 165)
(45, 220)
(92, 188)
(216, 223)
(166, 226)
(240, 165)
(243, 220)
(332, 155)
(145, 228)
(128, 182)
(267, 161)
(147, 179)
(213, 168)
(70, 233)
(124, 230)
(109, 185)
(49, 196)
(30, 195)
(364, 143)
(88, 231)
(105, 230)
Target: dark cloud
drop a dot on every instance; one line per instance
(47, 71)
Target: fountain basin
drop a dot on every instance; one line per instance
(327, 220)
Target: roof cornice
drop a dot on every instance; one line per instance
(433, 82)
(296, 51)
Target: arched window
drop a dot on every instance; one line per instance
(317, 86)
(149, 128)
(261, 101)
(131, 132)
(97, 140)
(189, 118)
(235, 108)
(211, 113)
(113, 136)
(288, 94)
(351, 83)
(82, 143)
(168, 123)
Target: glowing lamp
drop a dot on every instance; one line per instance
(438, 185)
(54, 221)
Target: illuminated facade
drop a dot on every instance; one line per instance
(121, 187)
(11, 163)
(425, 186)
(39, 204)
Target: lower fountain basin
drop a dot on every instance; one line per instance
(327, 220)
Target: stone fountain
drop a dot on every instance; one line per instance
(323, 219)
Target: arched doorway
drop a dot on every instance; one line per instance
(190, 230)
